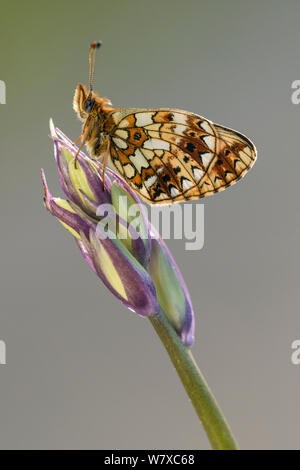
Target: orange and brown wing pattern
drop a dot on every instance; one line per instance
(171, 155)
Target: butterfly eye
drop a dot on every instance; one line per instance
(88, 105)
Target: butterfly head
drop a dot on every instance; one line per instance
(84, 102)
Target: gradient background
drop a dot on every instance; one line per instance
(82, 371)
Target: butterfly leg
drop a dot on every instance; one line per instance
(104, 161)
(83, 138)
(77, 140)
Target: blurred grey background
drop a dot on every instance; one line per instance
(82, 371)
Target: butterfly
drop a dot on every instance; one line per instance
(165, 155)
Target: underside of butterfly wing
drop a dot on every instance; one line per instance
(171, 155)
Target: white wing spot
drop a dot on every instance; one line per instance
(120, 143)
(186, 184)
(209, 141)
(206, 158)
(179, 128)
(174, 192)
(180, 118)
(198, 173)
(138, 160)
(206, 127)
(143, 119)
(153, 144)
(150, 181)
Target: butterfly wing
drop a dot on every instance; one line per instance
(170, 155)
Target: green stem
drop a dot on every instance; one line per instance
(214, 423)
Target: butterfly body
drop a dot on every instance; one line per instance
(165, 155)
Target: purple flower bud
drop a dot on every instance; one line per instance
(171, 291)
(120, 264)
(112, 231)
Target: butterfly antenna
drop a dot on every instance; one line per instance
(92, 56)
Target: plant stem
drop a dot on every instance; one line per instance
(214, 423)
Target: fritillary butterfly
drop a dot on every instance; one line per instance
(165, 155)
